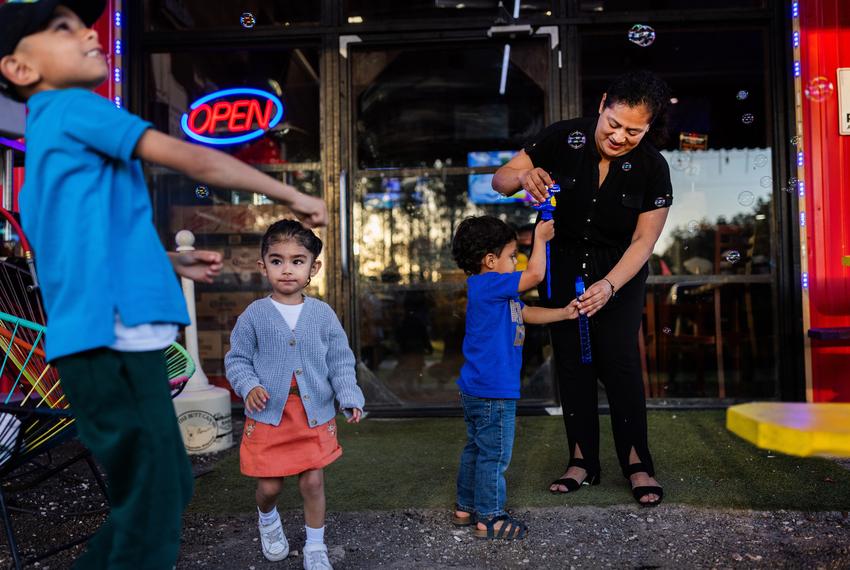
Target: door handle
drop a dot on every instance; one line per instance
(344, 245)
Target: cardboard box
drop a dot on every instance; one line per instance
(209, 344)
(226, 219)
(241, 260)
(218, 304)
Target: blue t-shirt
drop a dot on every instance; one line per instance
(86, 210)
(492, 345)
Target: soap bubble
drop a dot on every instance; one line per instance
(819, 89)
(766, 181)
(733, 256)
(627, 166)
(576, 139)
(746, 198)
(202, 191)
(792, 185)
(681, 161)
(747, 118)
(667, 330)
(247, 20)
(796, 140)
(760, 161)
(642, 35)
(693, 226)
(742, 94)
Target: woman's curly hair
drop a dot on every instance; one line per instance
(643, 88)
(476, 237)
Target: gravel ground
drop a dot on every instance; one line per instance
(584, 537)
(670, 536)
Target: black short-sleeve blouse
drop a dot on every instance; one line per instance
(594, 225)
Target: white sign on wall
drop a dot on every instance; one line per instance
(844, 100)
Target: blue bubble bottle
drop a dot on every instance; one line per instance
(583, 326)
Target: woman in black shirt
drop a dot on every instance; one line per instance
(614, 198)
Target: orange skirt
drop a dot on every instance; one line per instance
(291, 447)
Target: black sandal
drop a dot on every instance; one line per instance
(640, 492)
(511, 529)
(571, 484)
(462, 521)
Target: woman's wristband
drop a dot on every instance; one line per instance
(613, 289)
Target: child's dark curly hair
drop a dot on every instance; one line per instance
(285, 230)
(643, 87)
(478, 236)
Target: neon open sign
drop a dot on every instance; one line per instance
(232, 116)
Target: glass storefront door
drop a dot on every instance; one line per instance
(431, 123)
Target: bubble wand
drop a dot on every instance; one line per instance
(583, 326)
(547, 209)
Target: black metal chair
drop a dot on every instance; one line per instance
(35, 416)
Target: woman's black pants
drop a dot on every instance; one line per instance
(616, 362)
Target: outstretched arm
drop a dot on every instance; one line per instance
(542, 315)
(220, 169)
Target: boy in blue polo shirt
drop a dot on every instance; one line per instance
(486, 249)
(112, 300)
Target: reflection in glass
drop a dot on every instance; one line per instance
(175, 80)
(653, 5)
(222, 219)
(709, 328)
(719, 207)
(202, 14)
(706, 70)
(412, 296)
(367, 11)
(431, 106)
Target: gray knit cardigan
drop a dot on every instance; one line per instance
(264, 351)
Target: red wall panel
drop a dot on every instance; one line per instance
(824, 47)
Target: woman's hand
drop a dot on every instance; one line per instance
(256, 400)
(596, 296)
(536, 182)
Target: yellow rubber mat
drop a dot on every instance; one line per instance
(793, 428)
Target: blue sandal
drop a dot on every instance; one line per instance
(511, 529)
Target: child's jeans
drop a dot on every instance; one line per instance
(490, 427)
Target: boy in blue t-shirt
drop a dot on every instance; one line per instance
(112, 300)
(486, 249)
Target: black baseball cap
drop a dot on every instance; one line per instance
(20, 18)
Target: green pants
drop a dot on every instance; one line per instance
(122, 404)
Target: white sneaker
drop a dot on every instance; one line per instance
(275, 545)
(316, 557)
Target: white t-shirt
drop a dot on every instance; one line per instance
(141, 338)
(289, 312)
